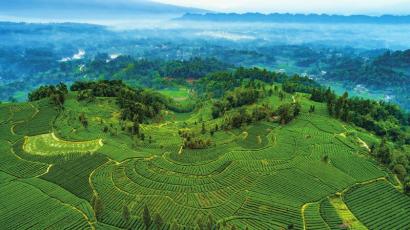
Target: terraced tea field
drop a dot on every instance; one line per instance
(56, 174)
(49, 144)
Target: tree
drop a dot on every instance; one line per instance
(97, 206)
(85, 95)
(135, 129)
(297, 108)
(146, 217)
(383, 152)
(312, 109)
(400, 170)
(55, 93)
(62, 88)
(83, 120)
(281, 95)
(57, 99)
(211, 222)
(287, 112)
(174, 225)
(158, 221)
(407, 187)
(330, 107)
(203, 129)
(325, 159)
(202, 221)
(125, 214)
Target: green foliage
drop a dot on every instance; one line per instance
(239, 168)
(55, 93)
(288, 112)
(407, 188)
(299, 84)
(237, 98)
(126, 213)
(193, 68)
(216, 84)
(146, 217)
(98, 206)
(157, 220)
(139, 105)
(103, 88)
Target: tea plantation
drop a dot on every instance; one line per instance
(312, 173)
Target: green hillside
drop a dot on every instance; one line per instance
(263, 154)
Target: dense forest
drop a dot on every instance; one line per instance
(371, 72)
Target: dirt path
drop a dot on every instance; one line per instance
(363, 144)
(303, 214)
(348, 218)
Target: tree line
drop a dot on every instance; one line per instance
(56, 93)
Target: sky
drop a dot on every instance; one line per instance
(345, 7)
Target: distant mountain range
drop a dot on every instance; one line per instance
(295, 18)
(89, 9)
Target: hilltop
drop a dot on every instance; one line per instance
(238, 148)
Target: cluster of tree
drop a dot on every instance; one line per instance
(288, 112)
(149, 220)
(83, 120)
(151, 73)
(383, 70)
(103, 88)
(193, 141)
(193, 68)
(85, 95)
(197, 143)
(382, 118)
(285, 114)
(137, 105)
(299, 84)
(98, 206)
(397, 161)
(216, 84)
(380, 71)
(55, 93)
(235, 119)
(236, 98)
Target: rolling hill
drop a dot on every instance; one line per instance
(263, 155)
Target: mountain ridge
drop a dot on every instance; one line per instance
(90, 9)
(292, 18)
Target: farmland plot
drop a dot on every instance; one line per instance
(49, 144)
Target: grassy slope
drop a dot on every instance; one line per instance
(260, 176)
